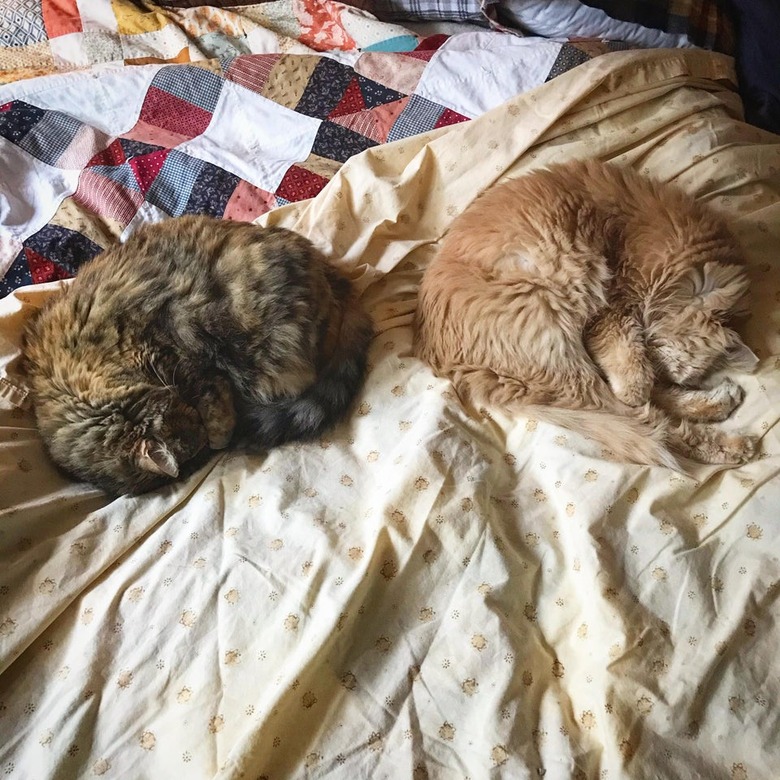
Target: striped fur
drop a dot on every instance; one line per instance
(194, 334)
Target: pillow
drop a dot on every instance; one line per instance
(212, 3)
(647, 23)
(424, 10)
(758, 60)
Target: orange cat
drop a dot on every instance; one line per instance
(599, 298)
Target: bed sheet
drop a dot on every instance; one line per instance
(428, 591)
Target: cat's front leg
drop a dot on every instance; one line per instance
(217, 412)
(615, 343)
(711, 405)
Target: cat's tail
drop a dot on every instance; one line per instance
(321, 405)
(631, 435)
(640, 439)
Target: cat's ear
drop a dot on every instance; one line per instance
(152, 455)
(739, 356)
(720, 288)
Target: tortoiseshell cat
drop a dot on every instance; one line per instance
(601, 299)
(194, 327)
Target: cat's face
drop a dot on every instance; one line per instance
(686, 332)
(689, 347)
(129, 444)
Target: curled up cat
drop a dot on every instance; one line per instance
(194, 334)
(598, 300)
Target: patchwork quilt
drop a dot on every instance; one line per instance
(42, 36)
(91, 154)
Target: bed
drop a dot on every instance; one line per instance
(429, 591)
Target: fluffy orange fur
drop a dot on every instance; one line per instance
(599, 298)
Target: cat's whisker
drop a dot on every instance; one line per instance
(175, 369)
(162, 381)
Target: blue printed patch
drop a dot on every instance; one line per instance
(339, 143)
(195, 85)
(172, 188)
(51, 136)
(211, 192)
(18, 119)
(325, 89)
(419, 116)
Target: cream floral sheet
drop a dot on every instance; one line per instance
(428, 592)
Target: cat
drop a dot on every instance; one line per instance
(596, 299)
(194, 334)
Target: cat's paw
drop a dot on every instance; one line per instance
(634, 391)
(731, 448)
(219, 439)
(217, 413)
(726, 397)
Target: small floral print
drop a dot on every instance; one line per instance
(389, 569)
(478, 642)
(447, 731)
(588, 719)
(644, 705)
(188, 618)
(738, 772)
(383, 644)
(754, 531)
(232, 657)
(498, 755)
(469, 686)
